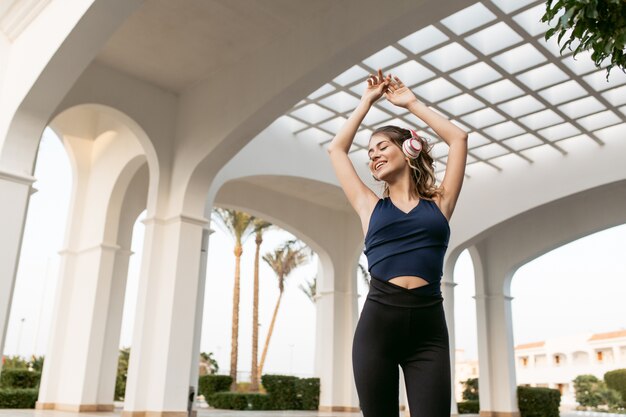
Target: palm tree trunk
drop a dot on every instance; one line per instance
(254, 386)
(269, 335)
(235, 328)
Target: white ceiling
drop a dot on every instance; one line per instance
(175, 44)
(487, 68)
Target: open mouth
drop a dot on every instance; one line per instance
(378, 165)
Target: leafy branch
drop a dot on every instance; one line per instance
(597, 25)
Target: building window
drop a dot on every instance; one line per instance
(524, 361)
(599, 356)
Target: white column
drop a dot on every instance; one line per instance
(336, 318)
(159, 370)
(497, 382)
(447, 290)
(110, 355)
(15, 190)
(89, 295)
(195, 356)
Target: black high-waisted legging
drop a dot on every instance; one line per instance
(399, 327)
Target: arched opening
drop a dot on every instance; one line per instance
(466, 355)
(36, 279)
(292, 345)
(568, 312)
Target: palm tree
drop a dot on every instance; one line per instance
(240, 226)
(309, 289)
(282, 261)
(364, 273)
(259, 227)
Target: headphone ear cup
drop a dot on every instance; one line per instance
(412, 147)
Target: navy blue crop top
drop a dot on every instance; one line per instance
(413, 243)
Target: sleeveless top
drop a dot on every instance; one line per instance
(413, 243)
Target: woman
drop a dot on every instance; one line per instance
(406, 237)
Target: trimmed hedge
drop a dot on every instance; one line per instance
(282, 390)
(19, 378)
(538, 401)
(468, 407)
(617, 380)
(308, 393)
(210, 384)
(18, 397)
(239, 401)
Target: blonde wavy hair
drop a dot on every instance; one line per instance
(422, 169)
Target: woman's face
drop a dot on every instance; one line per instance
(386, 159)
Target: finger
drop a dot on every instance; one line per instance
(380, 75)
(400, 83)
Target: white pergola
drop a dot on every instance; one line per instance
(174, 107)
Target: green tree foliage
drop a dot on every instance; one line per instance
(122, 373)
(593, 392)
(36, 363)
(597, 25)
(210, 361)
(470, 389)
(14, 362)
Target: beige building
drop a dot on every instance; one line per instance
(555, 362)
(465, 368)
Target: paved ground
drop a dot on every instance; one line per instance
(227, 413)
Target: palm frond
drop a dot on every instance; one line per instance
(238, 224)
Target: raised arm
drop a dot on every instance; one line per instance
(456, 138)
(360, 196)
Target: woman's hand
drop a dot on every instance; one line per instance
(376, 87)
(399, 94)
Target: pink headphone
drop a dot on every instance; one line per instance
(412, 146)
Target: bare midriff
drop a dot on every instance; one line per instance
(409, 282)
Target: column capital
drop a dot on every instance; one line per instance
(17, 178)
(450, 284)
(99, 246)
(182, 218)
(492, 296)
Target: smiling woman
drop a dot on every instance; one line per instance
(406, 238)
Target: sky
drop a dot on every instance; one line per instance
(576, 288)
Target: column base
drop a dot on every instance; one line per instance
(499, 414)
(327, 408)
(76, 408)
(157, 413)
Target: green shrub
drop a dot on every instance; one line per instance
(239, 401)
(468, 407)
(259, 401)
(228, 401)
(586, 387)
(616, 380)
(122, 373)
(538, 402)
(470, 389)
(282, 391)
(308, 393)
(210, 384)
(19, 378)
(18, 397)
